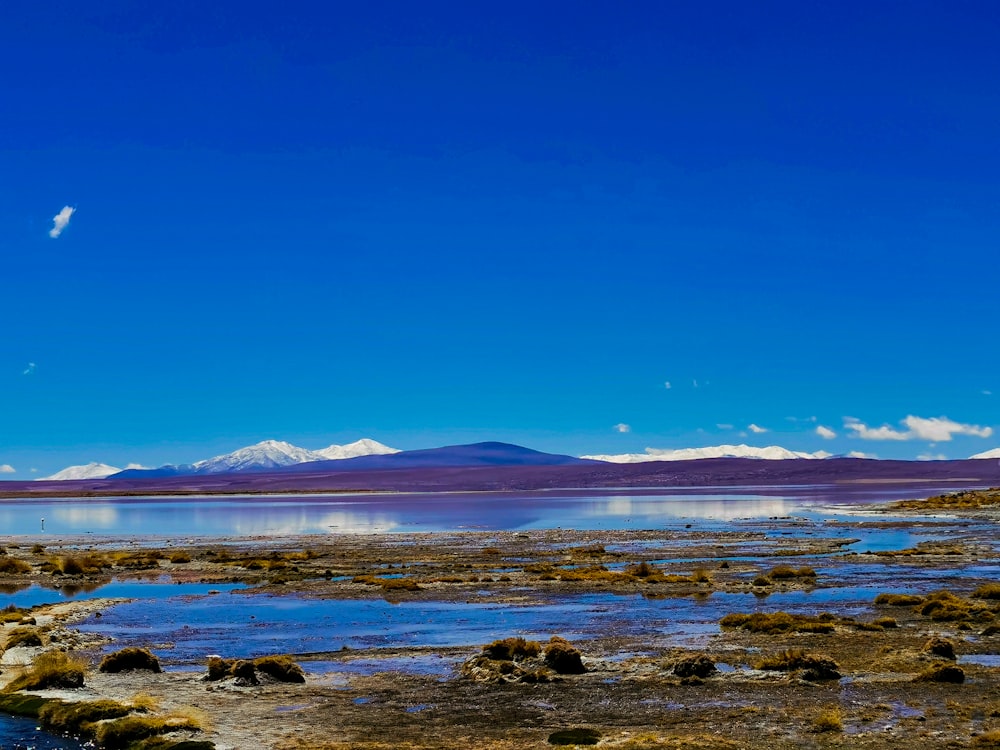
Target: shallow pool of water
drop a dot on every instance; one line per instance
(17, 733)
(184, 630)
(129, 588)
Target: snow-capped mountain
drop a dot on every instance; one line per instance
(267, 454)
(771, 453)
(274, 454)
(994, 453)
(363, 447)
(88, 471)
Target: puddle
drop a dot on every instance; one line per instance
(127, 588)
(423, 664)
(983, 660)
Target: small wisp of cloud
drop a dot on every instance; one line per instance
(622, 427)
(61, 220)
(7, 469)
(667, 385)
(29, 369)
(825, 432)
(756, 429)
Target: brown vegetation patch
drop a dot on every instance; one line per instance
(129, 659)
(778, 622)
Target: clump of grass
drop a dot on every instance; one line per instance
(942, 673)
(179, 558)
(10, 613)
(642, 570)
(695, 665)
(129, 659)
(898, 600)
(785, 572)
(885, 622)
(510, 649)
(989, 739)
(23, 637)
(399, 584)
(777, 622)
(940, 647)
(245, 673)
(75, 565)
(829, 720)
(13, 566)
(987, 591)
(575, 736)
(78, 718)
(817, 666)
(128, 730)
(53, 669)
(964, 500)
(761, 581)
(563, 657)
(700, 575)
(945, 606)
(37, 549)
(219, 668)
(280, 668)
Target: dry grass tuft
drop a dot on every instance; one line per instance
(942, 673)
(13, 566)
(53, 669)
(829, 720)
(898, 600)
(814, 666)
(129, 659)
(510, 649)
(777, 622)
(563, 657)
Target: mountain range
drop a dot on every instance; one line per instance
(263, 456)
(275, 456)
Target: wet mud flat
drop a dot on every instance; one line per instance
(873, 631)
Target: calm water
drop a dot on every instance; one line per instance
(375, 513)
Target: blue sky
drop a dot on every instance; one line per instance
(450, 222)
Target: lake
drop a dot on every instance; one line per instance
(367, 513)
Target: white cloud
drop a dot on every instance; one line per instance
(7, 469)
(694, 383)
(724, 426)
(932, 429)
(825, 432)
(756, 429)
(932, 457)
(622, 427)
(861, 454)
(29, 369)
(135, 466)
(33, 470)
(667, 385)
(61, 220)
(987, 392)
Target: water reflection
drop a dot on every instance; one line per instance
(371, 513)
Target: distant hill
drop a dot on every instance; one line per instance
(475, 454)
